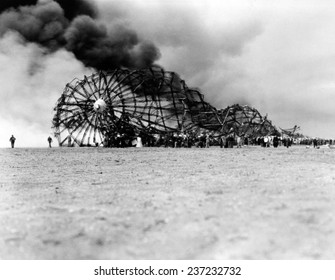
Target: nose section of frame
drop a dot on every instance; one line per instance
(100, 106)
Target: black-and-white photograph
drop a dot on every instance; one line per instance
(167, 130)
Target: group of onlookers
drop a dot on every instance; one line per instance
(195, 139)
(189, 139)
(201, 140)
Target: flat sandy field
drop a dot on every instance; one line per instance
(165, 203)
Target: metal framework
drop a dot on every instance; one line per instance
(244, 121)
(239, 120)
(291, 132)
(128, 102)
(150, 100)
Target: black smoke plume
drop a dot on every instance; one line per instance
(74, 8)
(7, 4)
(73, 25)
(94, 45)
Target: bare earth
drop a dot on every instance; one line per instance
(164, 203)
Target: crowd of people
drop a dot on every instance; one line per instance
(149, 138)
(203, 140)
(125, 138)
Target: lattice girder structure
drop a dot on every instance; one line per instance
(266, 128)
(291, 132)
(244, 121)
(201, 113)
(126, 102)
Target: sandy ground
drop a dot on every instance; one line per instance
(164, 203)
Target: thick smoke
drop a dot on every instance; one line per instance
(74, 8)
(100, 48)
(46, 43)
(31, 82)
(73, 25)
(43, 24)
(7, 4)
(206, 48)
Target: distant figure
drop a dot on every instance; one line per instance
(266, 142)
(69, 144)
(222, 141)
(275, 141)
(239, 142)
(208, 139)
(139, 142)
(230, 141)
(315, 143)
(12, 141)
(50, 141)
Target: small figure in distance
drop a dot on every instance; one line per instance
(12, 141)
(50, 141)
(208, 139)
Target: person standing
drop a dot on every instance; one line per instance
(12, 141)
(139, 142)
(230, 141)
(50, 141)
(69, 143)
(207, 140)
(266, 142)
(275, 141)
(222, 141)
(239, 141)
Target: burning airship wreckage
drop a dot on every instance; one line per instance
(112, 107)
(122, 104)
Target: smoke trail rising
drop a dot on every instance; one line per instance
(73, 25)
(7, 4)
(43, 45)
(74, 8)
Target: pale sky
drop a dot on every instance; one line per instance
(276, 56)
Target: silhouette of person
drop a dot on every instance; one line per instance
(69, 144)
(50, 141)
(12, 141)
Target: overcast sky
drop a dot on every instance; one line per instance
(276, 56)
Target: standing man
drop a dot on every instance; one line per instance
(208, 138)
(12, 141)
(222, 141)
(50, 141)
(239, 142)
(275, 141)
